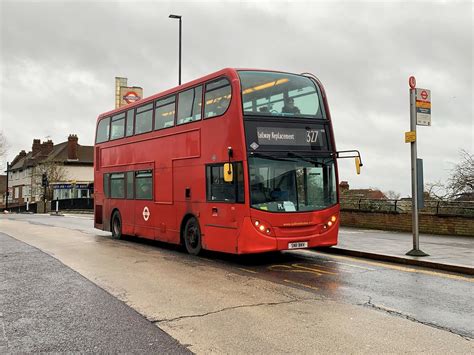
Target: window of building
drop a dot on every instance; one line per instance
(130, 122)
(130, 184)
(144, 119)
(144, 185)
(117, 185)
(220, 191)
(189, 105)
(103, 130)
(118, 126)
(217, 98)
(106, 185)
(165, 112)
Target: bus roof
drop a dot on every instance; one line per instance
(232, 72)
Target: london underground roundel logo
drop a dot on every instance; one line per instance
(146, 213)
(130, 97)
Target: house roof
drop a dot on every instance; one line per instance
(85, 155)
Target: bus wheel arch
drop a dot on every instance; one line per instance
(116, 224)
(191, 236)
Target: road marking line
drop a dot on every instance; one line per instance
(403, 268)
(356, 266)
(247, 270)
(300, 284)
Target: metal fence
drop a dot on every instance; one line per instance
(433, 207)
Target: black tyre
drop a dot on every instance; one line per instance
(116, 225)
(192, 236)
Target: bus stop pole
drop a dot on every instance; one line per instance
(414, 176)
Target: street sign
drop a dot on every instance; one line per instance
(423, 107)
(130, 97)
(412, 82)
(410, 137)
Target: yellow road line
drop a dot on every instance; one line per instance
(247, 270)
(404, 268)
(300, 284)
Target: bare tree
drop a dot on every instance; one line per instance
(435, 191)
(461, 181)
(54, 171)
(3, 151)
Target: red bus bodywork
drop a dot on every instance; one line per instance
(177, 157)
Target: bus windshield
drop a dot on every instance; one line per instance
(279, 94)
(292, 184)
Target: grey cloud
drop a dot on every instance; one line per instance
(58, 61)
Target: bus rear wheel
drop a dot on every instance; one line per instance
(116, 225)
(192, 236)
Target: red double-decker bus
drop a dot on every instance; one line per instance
(239, 161)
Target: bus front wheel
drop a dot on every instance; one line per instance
(116, 225)
(192, 236)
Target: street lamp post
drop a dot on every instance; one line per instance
(179, 18)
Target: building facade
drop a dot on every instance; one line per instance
(68, 167)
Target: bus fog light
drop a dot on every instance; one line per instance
(268, 230)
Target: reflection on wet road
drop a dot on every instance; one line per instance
(438, 299)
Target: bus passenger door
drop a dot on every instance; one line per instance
(222, 222)
(144, 206)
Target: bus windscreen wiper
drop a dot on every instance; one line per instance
(309, 160)
(268, 156)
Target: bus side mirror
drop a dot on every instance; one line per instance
(228, 173)
(358, 165)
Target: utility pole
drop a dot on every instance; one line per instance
(7, 192)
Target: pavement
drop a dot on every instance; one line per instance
(448, 253)
(47, 307)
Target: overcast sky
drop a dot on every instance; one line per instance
(59, 60)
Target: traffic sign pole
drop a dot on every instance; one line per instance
(414, 191)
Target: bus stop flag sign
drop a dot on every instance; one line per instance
(423, 107)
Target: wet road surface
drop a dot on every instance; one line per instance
(437, 299)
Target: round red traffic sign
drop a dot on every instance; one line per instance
(412, 82)
(130, 97)
(424, 95)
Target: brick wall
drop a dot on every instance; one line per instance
(431, 224)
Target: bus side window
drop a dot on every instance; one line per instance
(144, 185)
(117, 185)
(144, 119)
(164, 112)
(189, 105)
(130, 122)
(130, 175)
(217, 98)
(118, 126)
(103, 130)
(106, 186)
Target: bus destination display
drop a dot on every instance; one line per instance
(289, 136)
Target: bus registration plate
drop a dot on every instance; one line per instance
(297, 245)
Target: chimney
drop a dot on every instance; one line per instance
(36, 148)
(22, 154)
(344, 186)
(46, 147)
(72, 147)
